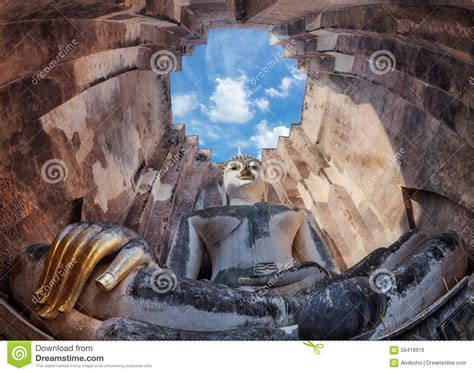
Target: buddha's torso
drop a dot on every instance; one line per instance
(247, 240)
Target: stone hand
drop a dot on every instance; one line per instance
(73, 255)
(286, 276)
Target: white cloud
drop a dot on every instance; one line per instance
(263, 104)
(268, 138)
(272, 92)
(228, 62)
(230, 102)
(286, 83)
(284, 89)
(184, 104)
(296, 75)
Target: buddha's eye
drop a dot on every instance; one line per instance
(254, 166)
(234, 167)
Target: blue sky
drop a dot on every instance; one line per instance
(237, 90)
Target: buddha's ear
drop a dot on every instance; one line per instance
(265, 193)
(223, 194)
(221, 167)
(220, 185)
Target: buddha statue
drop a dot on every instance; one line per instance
(248, 239)
(271, 276)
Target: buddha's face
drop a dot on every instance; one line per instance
(243, 180)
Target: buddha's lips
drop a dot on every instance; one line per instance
(244, 177)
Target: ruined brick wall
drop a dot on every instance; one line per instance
(367, 135)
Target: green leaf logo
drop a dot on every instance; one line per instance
(316, 346)
(19, 353)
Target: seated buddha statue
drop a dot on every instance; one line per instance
(249, 239)
(270, 269)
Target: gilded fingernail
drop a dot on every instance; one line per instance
(105, 281)
(63, 307)
(47, 312)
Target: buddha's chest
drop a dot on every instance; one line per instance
(249, 235)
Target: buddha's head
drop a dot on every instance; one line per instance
(243, 180)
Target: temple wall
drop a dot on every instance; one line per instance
(271, 12)
(369, 144)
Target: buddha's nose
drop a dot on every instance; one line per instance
(245, 172)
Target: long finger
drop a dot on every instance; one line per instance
(54, 259)
(51, 253)
(130, 256)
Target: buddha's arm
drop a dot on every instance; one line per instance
(187, 251)
(309, 247)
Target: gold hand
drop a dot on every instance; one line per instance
(78, 249)
(103, 244)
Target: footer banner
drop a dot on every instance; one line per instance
(57, 356)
